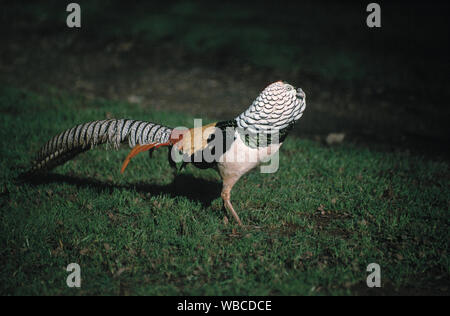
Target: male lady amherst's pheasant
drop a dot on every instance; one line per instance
(234, 147)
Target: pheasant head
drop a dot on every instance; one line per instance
(275, 110)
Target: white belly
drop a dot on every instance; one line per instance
(239, 158)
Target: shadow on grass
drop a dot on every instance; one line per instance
(195, 189)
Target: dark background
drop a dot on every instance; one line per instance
(386, 88)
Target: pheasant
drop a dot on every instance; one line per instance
(232, 147)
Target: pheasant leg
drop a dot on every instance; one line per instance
(226, 193)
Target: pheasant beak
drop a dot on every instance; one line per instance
(300, 94)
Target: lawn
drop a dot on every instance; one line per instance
(312, 227)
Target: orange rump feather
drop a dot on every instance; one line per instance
(138, 149)
(141, 148)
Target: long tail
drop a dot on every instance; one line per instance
(80, 138)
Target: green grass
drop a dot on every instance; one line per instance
(323, 217)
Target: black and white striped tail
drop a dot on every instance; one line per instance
(80, 138)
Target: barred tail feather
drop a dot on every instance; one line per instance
(83, 137)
